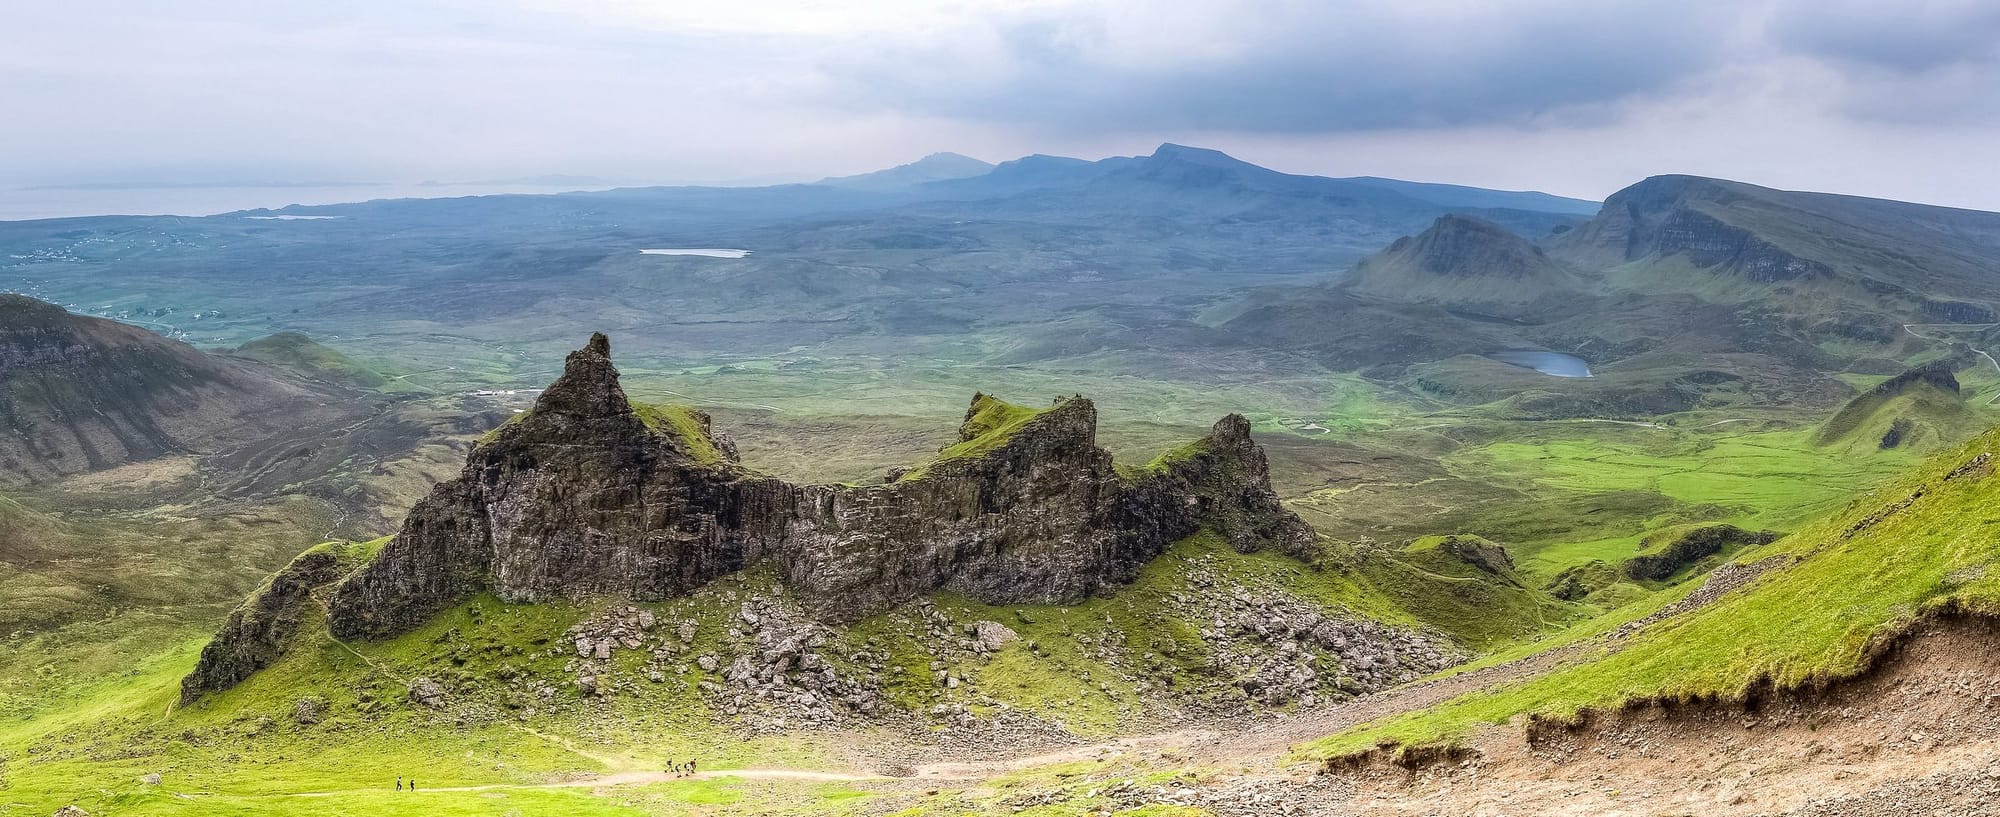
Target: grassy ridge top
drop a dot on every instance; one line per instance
(294, 351)
(989, 424)
(1862, 574)
(683, 424)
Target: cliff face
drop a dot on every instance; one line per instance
(587, 495)
(1676, 215)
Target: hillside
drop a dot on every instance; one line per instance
(303, 356)
(1826, 603)
(933, 168)
(81, 394)
(1735, 241)
(1466, 264)
(1920, 409)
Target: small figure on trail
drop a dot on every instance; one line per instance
(691, 769)
(399, 783)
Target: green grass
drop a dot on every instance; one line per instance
(301, 354)
(1856, 582)
(989, 425)
(243, 752)
(681, 423)
(1756, 479)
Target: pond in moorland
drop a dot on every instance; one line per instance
(1549, 363)
(705, 252)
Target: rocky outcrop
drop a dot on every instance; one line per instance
(257, 634)
(589, 496)
(1690, 548)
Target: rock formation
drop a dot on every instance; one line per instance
(257, 634)
(1677, 215)
(588, 495)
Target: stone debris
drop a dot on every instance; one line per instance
(1238, 797)
(309, 710)
(427, 692)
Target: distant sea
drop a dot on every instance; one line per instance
(64, 202)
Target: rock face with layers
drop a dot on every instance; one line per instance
(589, 496)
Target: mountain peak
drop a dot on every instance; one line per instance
(1464, 262)
(1169, 152)
(940, 166)
(588, 387)
(1462, 246)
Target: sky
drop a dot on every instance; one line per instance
(1575, 97)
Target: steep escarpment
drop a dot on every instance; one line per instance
(1684, 215)
(588, 496)
(80, 393)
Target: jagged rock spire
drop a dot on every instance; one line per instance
(589, 386)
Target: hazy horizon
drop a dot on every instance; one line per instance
(1561, 96)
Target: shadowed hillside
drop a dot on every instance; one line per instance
(80, 394)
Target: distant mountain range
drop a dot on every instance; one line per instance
(1678, 291)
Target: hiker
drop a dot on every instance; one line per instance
(413, 784)
(691, 767)
(399, 783)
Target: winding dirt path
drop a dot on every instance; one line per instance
(634, 778)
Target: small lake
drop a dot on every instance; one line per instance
(705, 252)
(1549, 363)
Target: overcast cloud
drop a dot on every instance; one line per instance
(1578, 97)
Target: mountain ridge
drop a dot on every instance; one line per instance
(587, 495)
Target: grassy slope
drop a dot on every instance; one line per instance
(291, 350)
(990, 424)
(1810, 622)
(244, 753)
(680, 423)
(1753, 479)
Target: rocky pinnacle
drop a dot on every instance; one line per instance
(586, 496)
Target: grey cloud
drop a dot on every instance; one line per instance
(1299, 67)
(1910, 37)
(1924, 62)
